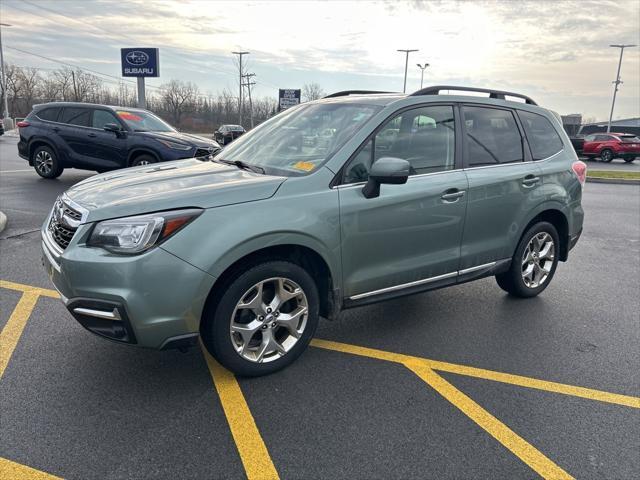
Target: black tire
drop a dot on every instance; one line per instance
(216, 334)
(512, 280)
(629, 159)
(141, 160)
(606, 155)
(46, 163)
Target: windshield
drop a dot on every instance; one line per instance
(143, 121)
(299, 140)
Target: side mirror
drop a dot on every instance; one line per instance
(112, 127)
(388, 170)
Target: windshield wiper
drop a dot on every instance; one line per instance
(242, 165)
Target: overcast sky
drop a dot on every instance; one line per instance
(556, 52)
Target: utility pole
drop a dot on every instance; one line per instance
(240, 54)
(75, 89)
(8, 124)
(617, 82)
(406, 65)
(422, 67)
(249, 84)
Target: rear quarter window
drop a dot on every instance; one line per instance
(49, 114)
(543, 138)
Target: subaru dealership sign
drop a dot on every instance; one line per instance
(288, 98)
(140, 62)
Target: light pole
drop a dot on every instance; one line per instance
(422, 67)
(406, 65)
(617, 82)
(8, 124)
(240, 54)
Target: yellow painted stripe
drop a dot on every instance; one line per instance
(253, 452)
(582, 392)
(21, 287)
(498, 430)
(15, 325)
(15, 471)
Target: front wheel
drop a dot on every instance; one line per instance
(534, 262)
(629, 159)
(606, 155)
(141, 160)
(264, 318)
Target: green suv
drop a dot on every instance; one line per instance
(246, 251)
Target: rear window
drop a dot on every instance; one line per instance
(50, 114)
(543, 138)
(76, 116)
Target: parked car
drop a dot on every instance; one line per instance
(249, 250)
(578, 144)
(608, 146)
(60, 135)
(1, 127)
(228, 133)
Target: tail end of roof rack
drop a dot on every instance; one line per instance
(498, 94)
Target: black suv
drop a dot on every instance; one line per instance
(228, 133)
(60, 135)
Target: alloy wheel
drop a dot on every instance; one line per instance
(537, 260)
(44, 162)
(606, 156)
(269, 319)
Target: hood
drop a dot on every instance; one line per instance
(170, 185)
(180, 137)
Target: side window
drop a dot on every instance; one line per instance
(102, 117)
(50, 114)
(601, 138)
(589, 138)
(76, 116)
(543, 138)
(492, 137)
(424, 136)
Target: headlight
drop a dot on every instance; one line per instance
(174, 145)
(131, 235)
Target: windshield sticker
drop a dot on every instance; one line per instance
(129, 116)
(304, 166)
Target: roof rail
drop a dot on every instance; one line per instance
(499, 94)
(354, 92)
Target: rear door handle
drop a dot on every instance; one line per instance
(56, 129)
(530, 181)
(452, 195)
(92, 135)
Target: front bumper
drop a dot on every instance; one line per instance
(153, 300)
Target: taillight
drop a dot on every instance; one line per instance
(580, 169)
(22, 124)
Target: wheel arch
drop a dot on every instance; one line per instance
(40, 142)
(136, 152)
(559, 220)
(302, 255)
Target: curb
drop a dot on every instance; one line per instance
(3, 221)
(615, 181)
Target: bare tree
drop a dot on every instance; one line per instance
(178, 97)
(30, 84)
(312, 91)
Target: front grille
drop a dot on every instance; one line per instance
(203, 152)
(61, 226)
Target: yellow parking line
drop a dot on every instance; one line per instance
(521, 381)
(15, 325)
(253, 452)
(21, 287)
(503, 434)
(15, 471)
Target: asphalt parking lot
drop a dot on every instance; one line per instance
(461, 383)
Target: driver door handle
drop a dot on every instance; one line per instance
(452, 195)
(92, 135)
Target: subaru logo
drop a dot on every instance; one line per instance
(137, 58)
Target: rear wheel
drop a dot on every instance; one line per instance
(534, 262)
(264, 318)
(143, 160)
(606, 155)
(629, 159)
(46, 163)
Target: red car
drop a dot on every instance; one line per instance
(608, 146)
